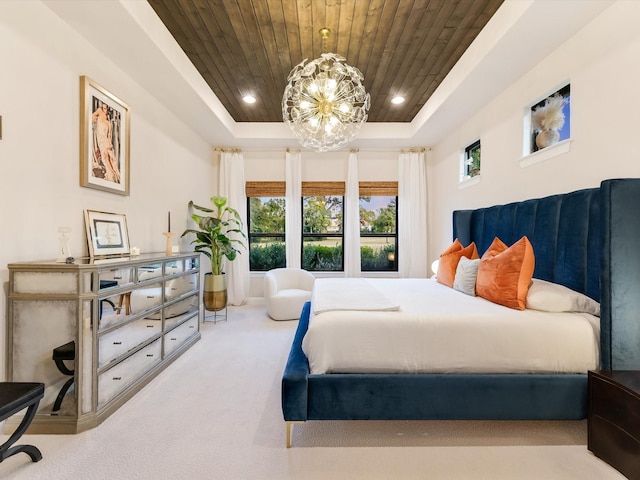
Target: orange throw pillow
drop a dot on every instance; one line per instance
(504, 273)
(449, 261)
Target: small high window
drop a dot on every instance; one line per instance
(471, 161)
(550, 120)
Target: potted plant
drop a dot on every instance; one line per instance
(215, 239)
(548, 119)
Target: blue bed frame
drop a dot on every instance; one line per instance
(588, 240)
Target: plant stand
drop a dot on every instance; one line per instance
(216, 315)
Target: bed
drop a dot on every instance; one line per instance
(585, 240)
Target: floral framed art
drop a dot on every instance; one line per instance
(104, 139)
(107, 233)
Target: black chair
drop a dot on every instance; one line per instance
(16, 396)
(60, 354)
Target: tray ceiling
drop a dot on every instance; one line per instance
(402, 47)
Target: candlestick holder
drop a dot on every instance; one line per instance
(64, 252)
(168, 248)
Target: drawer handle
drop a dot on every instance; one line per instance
(117, 343)
(151, 296)
(117, 278)
(149, 354)
(117, 378)
(192, 326)
(150, 326)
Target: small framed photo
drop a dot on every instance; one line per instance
(104, 139)
(107, 233)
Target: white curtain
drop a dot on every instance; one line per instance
(232, 186)
(412, 215)
(293, 213)
(351, 222)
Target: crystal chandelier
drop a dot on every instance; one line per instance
(324, 102)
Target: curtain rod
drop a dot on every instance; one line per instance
(415, 150)
(227, 149)
(349, 150)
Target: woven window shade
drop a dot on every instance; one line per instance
(265, 189)
(313, 189)
(378, 189)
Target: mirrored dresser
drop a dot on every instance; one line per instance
(98, 330)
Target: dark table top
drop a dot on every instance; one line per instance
(15, 396)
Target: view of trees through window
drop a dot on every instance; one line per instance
(322, 233)
(378, 227)
(266, 233)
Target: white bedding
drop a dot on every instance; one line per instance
(440, 330)
(349, 294)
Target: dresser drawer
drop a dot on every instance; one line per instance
(614, 403)
(114, 277)
(612, 444)
(146, 298)
(181, 285)
(177, 312)
(116, 379)
(118, 342)
(176, 337)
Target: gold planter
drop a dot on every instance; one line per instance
(215, 292)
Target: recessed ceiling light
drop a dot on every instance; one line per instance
(397, 100)
(249, 99)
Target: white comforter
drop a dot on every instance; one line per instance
(438, 329)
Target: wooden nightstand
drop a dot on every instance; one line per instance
(614, 419)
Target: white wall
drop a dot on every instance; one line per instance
(269, 165)
(42, 61)
(601, 62)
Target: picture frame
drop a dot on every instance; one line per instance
(107, 233)
(104, 139)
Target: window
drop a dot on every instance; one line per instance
(322, 226)
(550, 120)
(471, 161)
(266, 214)
(378, 226)
(322, 232)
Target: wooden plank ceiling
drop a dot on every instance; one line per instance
(402, 47)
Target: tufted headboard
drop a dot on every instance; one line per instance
(586, 240)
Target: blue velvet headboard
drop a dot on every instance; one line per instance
(586, 240)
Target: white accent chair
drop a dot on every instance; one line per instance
(286, 290)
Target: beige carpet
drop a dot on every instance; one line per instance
(215, 414)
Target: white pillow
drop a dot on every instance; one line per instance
(551, 297)
(466, 273)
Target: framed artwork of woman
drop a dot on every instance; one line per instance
(104, 139)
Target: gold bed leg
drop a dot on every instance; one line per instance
(289, 427)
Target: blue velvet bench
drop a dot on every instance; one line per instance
(16, 396)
